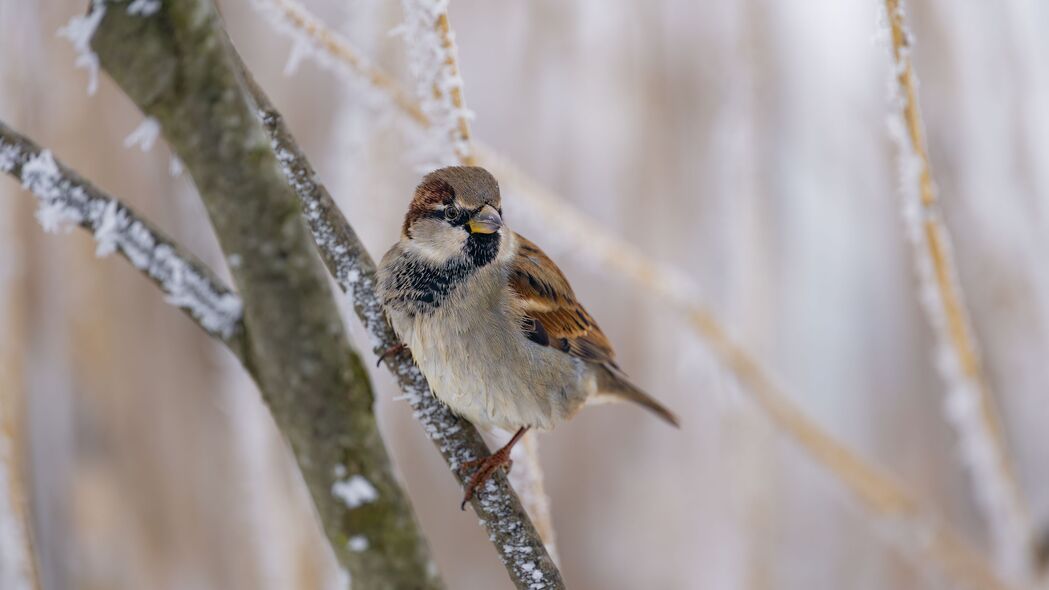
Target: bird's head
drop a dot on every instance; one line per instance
(456, 212)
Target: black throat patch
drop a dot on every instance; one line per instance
(420, 287)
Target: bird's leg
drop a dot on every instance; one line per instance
(391, 351)
(486, 466)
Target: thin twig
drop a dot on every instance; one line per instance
(971, 407)
(885, 500)
(434, 62)
(512, 533)
(66, 198)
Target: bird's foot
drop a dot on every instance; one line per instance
(391, 351)
(483, 469)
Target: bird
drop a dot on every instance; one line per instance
(491, 321)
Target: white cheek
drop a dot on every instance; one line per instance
(436, 242)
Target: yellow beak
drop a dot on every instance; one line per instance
(486, 221)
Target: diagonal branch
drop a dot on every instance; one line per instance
(509, 528)
(178, 65)
(66, 198)
(971, 407)
(885, 501)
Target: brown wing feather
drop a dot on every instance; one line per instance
(552, 314)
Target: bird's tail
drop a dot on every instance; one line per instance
(612, 382)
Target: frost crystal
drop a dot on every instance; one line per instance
(143, 136)
(8, 158)
(358, 543)
(144, 7)
(79, 31)
(355, 491)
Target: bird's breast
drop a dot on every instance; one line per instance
(478, 361)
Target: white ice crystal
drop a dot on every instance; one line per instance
(358, 543)
(8, 158)
(143, 136)
(144, 7)
(79, 31)
(355, 491)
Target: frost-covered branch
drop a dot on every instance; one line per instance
(314, 39)
(515, 538)
(434, 63)
(888, 505)
(970, 403)
(175, 61)
(66, 199)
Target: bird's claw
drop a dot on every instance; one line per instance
(485, 468)
(391, 351)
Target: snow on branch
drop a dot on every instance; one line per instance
(970, 404)
(79, 31)
(886, 503)
(65, 200)
(515, 538)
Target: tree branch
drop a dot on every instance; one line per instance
(509, 528)
(66, 198)
(178, 65)
(972, 410)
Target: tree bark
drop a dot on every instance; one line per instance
(177, 64)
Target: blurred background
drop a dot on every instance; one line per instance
(744, 143)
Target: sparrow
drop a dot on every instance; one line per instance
(490, 320)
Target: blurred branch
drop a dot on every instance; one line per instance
(887, 503)
(18, 560)
(177, 64)
(511, 532)
(66, 198)
(971, 407)
(527, 479)
(434, 62)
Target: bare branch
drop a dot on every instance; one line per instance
(178, 65)
(66, 198)
(971, 407)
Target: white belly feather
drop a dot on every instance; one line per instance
(477, 361)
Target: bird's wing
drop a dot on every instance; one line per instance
(552, 316)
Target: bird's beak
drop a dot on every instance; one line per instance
(486, 221)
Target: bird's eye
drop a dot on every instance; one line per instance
(451, 212)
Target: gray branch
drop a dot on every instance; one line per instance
(178, 66)
(515, 538)
(66, 198)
